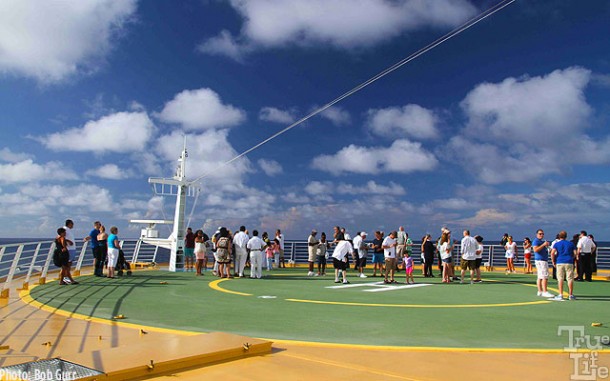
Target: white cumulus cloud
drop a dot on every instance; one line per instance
(13, 157)
(109, 171)
(525, 129)
(407, 121)
(403, 156)
(528, 108)
(51, 40)
(28, 171)
(207, 152)
(119, 132)
(201, 109)
(337, 115)
(343, 24)
(272, 114)
(270, 167)
(372, 187)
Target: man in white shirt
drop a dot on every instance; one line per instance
(256, 246)
(240, 240)
(469, 247)
(361, 249)
(583, 257)
(389, 253)
(71, 242)
(340, 253)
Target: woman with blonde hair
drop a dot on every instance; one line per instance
(113, 250)
(446, 249)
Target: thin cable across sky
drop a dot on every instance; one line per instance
(496, 8)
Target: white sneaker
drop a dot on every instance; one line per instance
(547, 294)
(558, 298)
(363, 276)
(345, 282)
(539, 293)
(310, 273)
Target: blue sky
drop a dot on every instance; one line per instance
(501, 129)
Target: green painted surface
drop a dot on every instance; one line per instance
(187, 302)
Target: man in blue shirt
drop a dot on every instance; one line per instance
(541, 258)
(563, 254)
(93, 244)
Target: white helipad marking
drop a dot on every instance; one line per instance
(392, 288)
(380, 286)
(374, 284)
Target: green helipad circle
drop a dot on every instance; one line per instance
(503, 312)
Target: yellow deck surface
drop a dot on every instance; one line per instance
(32, 334)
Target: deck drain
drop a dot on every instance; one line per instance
(48, 370)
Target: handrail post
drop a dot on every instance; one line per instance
(5, 289)
(154, 259)
(26, 282)
(136, 252)
(45, 269)
(81, 257)
(491, 256)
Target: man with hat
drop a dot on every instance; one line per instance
(363, 250)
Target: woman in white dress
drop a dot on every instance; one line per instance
(511, 254)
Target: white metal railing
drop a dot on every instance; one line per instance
(493, 254)
(31, 261)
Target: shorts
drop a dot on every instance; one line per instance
(362, 262)
(527, 255)
(337, 264)
(311, 256)
(71, 255)
(469, 264)
(477, 263)
(378, 258)
(400, 251)
(446, 260)
(390, 263)
(321, 259)
(189, 252)
(281, 254)
(509, 255)
(565, 270)
(542, 268)
(222, 256)
(113, 256)
(409, 270)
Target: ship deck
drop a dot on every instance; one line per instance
(305, 328)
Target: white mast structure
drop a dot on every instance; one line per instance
(180, 187)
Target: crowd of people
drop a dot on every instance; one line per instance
(232, 253)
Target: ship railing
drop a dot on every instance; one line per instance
(31, 262)
(493, 255)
